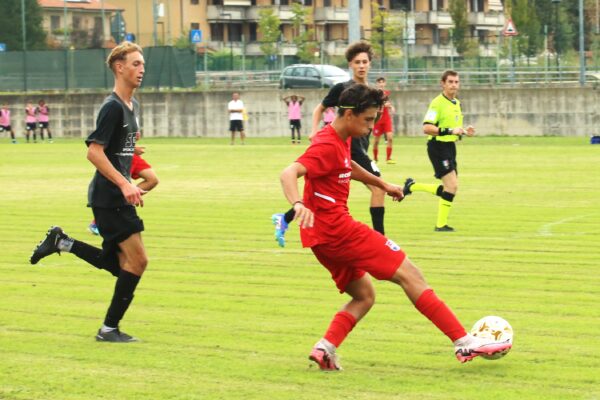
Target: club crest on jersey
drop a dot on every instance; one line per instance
(346, 163)
(392, 245)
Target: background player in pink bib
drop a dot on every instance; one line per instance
(5, 122)
(30, 122)
(350, 250)
(294, 105)
(43, 119)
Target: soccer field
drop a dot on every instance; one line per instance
(223, 313)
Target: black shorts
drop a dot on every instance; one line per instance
(295, 124)
(443, 157)
(30, 126)
(364, 161)
(5, 128)
(116, 225)
(43, 125)
(236, 125)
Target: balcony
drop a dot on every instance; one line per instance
(440, 18)
(331, 14)
(284, 13)
(215, 13)
(488, 21)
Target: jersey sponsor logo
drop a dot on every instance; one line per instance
(344, 177)
(392, 245)
(431, 115)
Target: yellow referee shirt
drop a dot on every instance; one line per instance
(444, 113)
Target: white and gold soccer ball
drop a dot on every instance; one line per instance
(493, 328)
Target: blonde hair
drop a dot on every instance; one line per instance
(120, 52)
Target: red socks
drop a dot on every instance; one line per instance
(440, 314)
(340, 327)
(388, 152)
(375, 153)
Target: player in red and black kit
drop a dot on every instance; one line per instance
(350, 250)
(111, 194)
(359, 57)
(383, 127)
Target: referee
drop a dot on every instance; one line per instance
(443, 123)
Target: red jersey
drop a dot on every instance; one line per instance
(385, 114)
(326, 188)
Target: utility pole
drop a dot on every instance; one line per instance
(353, 21)
(581, 44)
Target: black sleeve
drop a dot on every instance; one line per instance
(333, 97)
(109, 118)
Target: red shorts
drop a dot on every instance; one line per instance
(365, 251)
(382, 126)
(138, 164)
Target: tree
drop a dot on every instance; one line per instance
(530, 39)
(268, 27)
(11, 26)
(460, 37)
(304, 39)
(386, 29)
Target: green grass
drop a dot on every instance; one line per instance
(226, 314)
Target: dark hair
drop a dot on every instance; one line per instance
(448, 73)
(380, 79)
(357, 48)
(359, 98)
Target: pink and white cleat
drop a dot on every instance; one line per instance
(473, 347)
(326, 360)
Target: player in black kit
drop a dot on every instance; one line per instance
(111, 194)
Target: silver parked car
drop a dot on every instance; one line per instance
(312, 76)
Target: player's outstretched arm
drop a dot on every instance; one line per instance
(96, 156)
(316, 120)
(289, 183)
(362, 175)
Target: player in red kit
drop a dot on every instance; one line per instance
(383, 127)
(350, 250)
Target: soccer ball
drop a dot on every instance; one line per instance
(494, 328)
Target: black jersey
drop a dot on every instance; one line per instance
(360, 146)
(116, 129)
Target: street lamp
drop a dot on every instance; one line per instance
(229, 39)
(382, 15)
(556, 28)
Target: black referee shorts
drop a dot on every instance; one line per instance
(443, 157)
(364, 161)
(295, 124)
(116, 225)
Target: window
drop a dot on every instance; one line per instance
(400, 5)
(308, 2)
(55, 23)
(76, 23)
(194, 26)
(194, 2)
(312, 73)
(252, 30)
(298, 72)
(235, 32)
(326, 3)
(216, 32)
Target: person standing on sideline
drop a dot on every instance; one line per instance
(30, 122)
(111, 194)
(236, 117)
(384, 125)
(5, 122)
(43, 120)
(443, 123)
(358, 55)
(294, 104)
(328, 116)
(350, 250)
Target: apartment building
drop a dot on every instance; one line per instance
(78, 23)
(233, 24)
